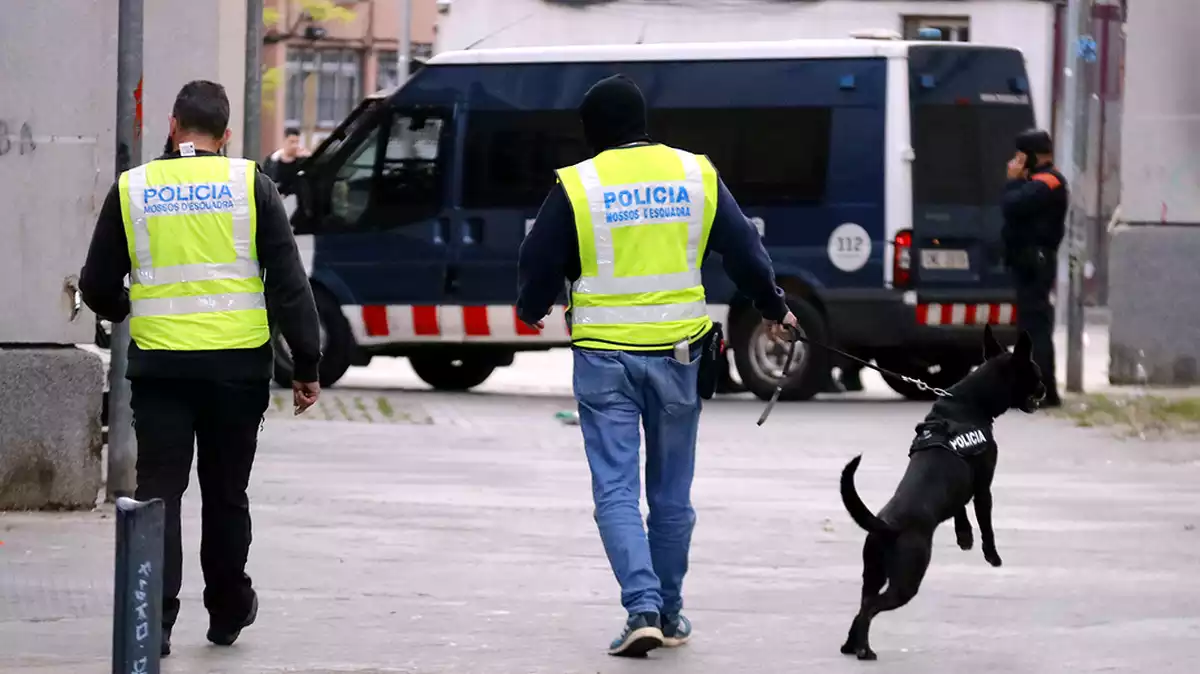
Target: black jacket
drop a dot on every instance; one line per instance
(289, 297)
(613, 115)
(1035, 213)
(284, 173)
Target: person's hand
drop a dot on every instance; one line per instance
(782, 331)
(304, 395)
(540, 325)
(1016, 166)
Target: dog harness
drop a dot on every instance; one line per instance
(962, 439)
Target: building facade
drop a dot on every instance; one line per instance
(321, 57)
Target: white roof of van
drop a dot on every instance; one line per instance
(700, 51)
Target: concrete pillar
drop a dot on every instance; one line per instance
(1155, 281)
(57, 147)
(187, 40)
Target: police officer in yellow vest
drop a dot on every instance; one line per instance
(629, 229)
(195, 232)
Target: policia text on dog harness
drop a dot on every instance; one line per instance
(643, 216)
(195, 282)
(965, 440)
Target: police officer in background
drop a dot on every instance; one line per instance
(1035, 211)
(630, 229)
(195, 231)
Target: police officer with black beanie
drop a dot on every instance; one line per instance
(1035, 211)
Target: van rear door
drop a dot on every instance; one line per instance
(967, 105)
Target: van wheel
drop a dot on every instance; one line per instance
(448, 372)
(938, 375)
(760, 360)
(337, 344)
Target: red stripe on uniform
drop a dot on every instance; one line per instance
(475, 321)
(994, 314)
(523, 329)
(922, 314)
(375, 320)
(425, 321)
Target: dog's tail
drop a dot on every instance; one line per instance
(858, 510)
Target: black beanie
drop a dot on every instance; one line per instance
(613, 113)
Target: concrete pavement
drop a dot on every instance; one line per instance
(455, 535)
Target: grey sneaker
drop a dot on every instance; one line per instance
(676, 629)
(642, 634)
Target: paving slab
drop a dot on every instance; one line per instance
(456, 535)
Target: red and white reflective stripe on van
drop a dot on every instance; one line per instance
(390, 324)
(966, 314)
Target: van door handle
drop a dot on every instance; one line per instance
(472, 231)
(441, 231)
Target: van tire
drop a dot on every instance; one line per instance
(447, 372)
(801, 384)
(950, 373)
(337, 351)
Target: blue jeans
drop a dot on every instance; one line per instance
(615, 390)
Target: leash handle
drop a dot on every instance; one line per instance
(787, 365)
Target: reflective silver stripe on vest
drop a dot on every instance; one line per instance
(605, 282)
(660, 313)
(198, 304)
(243, 267)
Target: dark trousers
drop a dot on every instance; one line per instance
(1034, 275)
(221, 419)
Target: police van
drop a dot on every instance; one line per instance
(872, 168)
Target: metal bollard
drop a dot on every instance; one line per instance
(137, 601)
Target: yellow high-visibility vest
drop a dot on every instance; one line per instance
(642, 215)
(195, 283)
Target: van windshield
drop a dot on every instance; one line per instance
(968, 105)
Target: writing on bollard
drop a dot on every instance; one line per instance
(137, 630)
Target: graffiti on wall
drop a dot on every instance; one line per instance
(14, 138)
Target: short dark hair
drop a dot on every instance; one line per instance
(202, 107)
(291, 131)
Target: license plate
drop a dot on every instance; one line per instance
(941, 258)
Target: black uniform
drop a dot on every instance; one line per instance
(1035, 212)
(215, 399)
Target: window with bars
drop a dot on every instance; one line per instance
(337, 76)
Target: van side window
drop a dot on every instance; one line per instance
(765, 156)
(511, 156)
(401, 187)
(351, 192)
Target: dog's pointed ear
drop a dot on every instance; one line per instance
(991, 347)
(1024, 350)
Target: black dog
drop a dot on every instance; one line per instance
(951, 461)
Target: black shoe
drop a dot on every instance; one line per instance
(225, 634)
(642, 634)
(1051, 402)
(165, 647)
